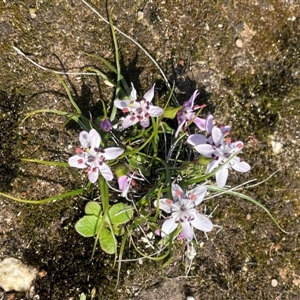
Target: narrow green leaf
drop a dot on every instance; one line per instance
(61, 80)
(250, 199)
(45, 162)
(42, 201)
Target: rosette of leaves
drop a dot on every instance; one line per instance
(95, 224)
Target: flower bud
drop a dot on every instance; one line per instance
(106, 125)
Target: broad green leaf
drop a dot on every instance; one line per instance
(93, 208)
(88, 226)
(120, 213)
(107, 241)
(170, 112)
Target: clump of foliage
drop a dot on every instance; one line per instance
(142, 149)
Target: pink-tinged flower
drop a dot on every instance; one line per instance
(127, 181)
(183, 212)
(106, 125)
(220, 152)
(187, 114)
(197, 139)
(139, 110)
(92, 158)
(124, 183)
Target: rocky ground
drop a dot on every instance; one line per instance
(243, 57)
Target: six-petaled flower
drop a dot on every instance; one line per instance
(92, 158)
(139, 110)
(183, 212)
(222, 153)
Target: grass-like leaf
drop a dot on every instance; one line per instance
(248, 198)
(42, 201)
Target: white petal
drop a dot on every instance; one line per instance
(150, 94)
(129, 121)
(168, 226)
(211, 166)
(196, 139)
(155, 111)
(133, 93)
(164, 204)
(93, 175)
(203, 223)
(187, 230)
(200, 123)
(112, 153)
(84, 139)
(206, 150)
(197, 195)
(221, 177)
(106, 172)
(145, 123)
(95, 139)
(237, 146)
(240, 166)
(122, 104)
(225, 129)
(77, 161)
(209, 123)
(177, 192)
(217, 136)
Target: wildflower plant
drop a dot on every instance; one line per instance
(144, 151)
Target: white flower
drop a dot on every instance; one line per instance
(220, 152)
(183, 211)
(139, 110)
(91, 157)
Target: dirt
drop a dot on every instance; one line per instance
(243, 56)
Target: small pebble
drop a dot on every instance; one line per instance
(274, 282)
(239, 43)
(140, 15)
